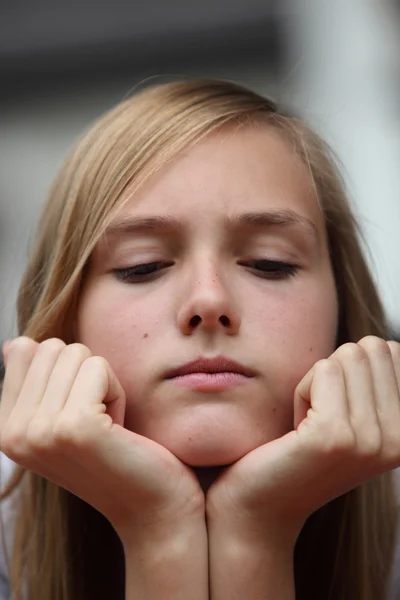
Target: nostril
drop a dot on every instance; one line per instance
(194, 321)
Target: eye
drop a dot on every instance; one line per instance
(140, 273)
(271, 269)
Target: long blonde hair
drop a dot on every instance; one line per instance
(61, 544)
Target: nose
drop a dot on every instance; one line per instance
(208, 305)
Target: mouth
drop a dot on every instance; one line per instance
(211, 374)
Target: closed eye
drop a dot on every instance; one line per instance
(270, 269)
(267, 269)
(140, 273)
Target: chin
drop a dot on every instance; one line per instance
(209, 454)
(209, 435)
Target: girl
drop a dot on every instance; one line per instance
(201, 399)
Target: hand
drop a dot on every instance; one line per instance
(346, 431)
(61, 416)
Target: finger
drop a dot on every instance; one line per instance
(384, 378)
(394, 348)
(62, 378)
(322, 389)
(96, 384)
(36, 380)
(5, 349)
(361, 397)
(19, 356)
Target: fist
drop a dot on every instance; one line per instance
(62, 416)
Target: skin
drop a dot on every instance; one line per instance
(99, 418)
(273, 323)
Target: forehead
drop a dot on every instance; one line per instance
(252, 168)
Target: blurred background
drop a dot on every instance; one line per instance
(337, 64)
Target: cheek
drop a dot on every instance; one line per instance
(109, 327)
(305, 329)
(295, 330)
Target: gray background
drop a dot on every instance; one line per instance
(64, 63)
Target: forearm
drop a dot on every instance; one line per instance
(168, 565)
(245, 568)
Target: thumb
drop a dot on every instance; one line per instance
(115, 399)
(302, 397)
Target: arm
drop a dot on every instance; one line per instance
(61, 415)
(168, 563)
(242, 565)
(346, 424)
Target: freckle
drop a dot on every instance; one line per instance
(190, 439)
(145, 335)
(311, 349)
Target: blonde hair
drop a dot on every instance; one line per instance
(346, 548)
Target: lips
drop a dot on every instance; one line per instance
(219, 364)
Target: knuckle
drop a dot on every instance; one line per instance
(52, 346)
(374, 345)
(370, 447)
(67, 433)
(22, 344)
(80, 351)
(13, 442)
(340, 442)
(391, 448)
(394, 348)
(345, 444)
(353, 352)
(327, 367)
(64, 432)
(39, 433)
(95, 365)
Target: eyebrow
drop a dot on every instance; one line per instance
(250, 220)
(265, 219)
(142, 224)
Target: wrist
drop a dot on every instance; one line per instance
(251, 564)
(161, 531)
(162, 523)
(256, 529)
(167, 561)
(241, 538)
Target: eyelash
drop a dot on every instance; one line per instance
(273, 269)
(142, 272)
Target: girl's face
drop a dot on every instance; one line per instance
(223, 254)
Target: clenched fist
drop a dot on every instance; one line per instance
(346, 431)
(62, 416)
